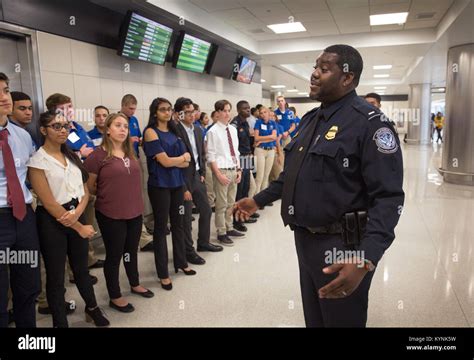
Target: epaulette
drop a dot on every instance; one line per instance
(369, 111)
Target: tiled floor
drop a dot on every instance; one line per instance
(426, 278)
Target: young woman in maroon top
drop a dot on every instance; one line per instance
(114, 176)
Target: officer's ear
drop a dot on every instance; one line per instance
(348, 79)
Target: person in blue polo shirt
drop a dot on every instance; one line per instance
(286, 118)
(265, 133)
(100, 114)
(129, 106)
(297, 121)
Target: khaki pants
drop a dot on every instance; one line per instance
(225, 199)
(265, 159)
(276, 169)
(211, 196)
(145, 238)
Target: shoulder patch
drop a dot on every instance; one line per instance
(385, 140)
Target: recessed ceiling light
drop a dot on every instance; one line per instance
(380, 87)
(303, 93)
(386, 19)
(292, 90)
(278, 86)
(382, 67)
(261, 80)
(290, 27)
(381, 75)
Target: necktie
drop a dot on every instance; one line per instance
(15, 196)
(231, 146)
(299, 151)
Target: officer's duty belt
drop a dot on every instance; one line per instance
(335, 228)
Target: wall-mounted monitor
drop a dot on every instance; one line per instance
(244, 70)
(144, 39)
(223, 62)
(191, 53)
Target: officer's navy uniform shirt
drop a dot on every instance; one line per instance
(160, 176)
(354, 162)
(285, 118)
(265, 130)
(243, 133)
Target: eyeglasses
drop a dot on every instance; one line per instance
(59, 126)
(163, 110)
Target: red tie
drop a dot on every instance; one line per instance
(15, 196)
(231, 146)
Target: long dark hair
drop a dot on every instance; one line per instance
(44, 119)
(152, 120)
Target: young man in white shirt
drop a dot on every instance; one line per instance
(223, 157)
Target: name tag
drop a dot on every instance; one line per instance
(279, 117)
(73, 137)
(97, 141)
(264, 127)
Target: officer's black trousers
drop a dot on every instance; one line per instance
(312, 256)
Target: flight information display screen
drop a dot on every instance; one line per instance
(146, 40)
(193, 54)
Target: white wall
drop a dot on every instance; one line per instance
(93, 75)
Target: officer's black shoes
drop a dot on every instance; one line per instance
(98, 264)
(239, 227)
(125, 309)
(148, 247)
(195, 259)
(250, 221)
(70, 308)
(270, 204)
(97, 316)
(255, 216)
(209, 247)
(225, 240)
(235, 233)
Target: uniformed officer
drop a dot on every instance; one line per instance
(343, 159)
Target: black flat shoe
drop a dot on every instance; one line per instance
(250, 221)
(70, 308)
(97, 316)
(167, 286)
(255, 216)
(145, 294)
(126, 309)
(186, 272)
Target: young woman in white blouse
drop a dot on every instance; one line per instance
(58, 178)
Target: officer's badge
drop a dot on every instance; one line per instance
(331, 134)
(385, 140)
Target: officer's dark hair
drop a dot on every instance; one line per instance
(374, 96)
(220, 104)
(4, 77)
(19, 96)
(44, 120)
(349, 60)
(181, 103)
(101, 107)
(241, 103)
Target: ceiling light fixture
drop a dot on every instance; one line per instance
(382, 67)
(278, 86)
(381, 75)
(387, 19)
(285, 28)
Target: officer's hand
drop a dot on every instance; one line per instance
(349, 278)
(188, 196)
(244, 208)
